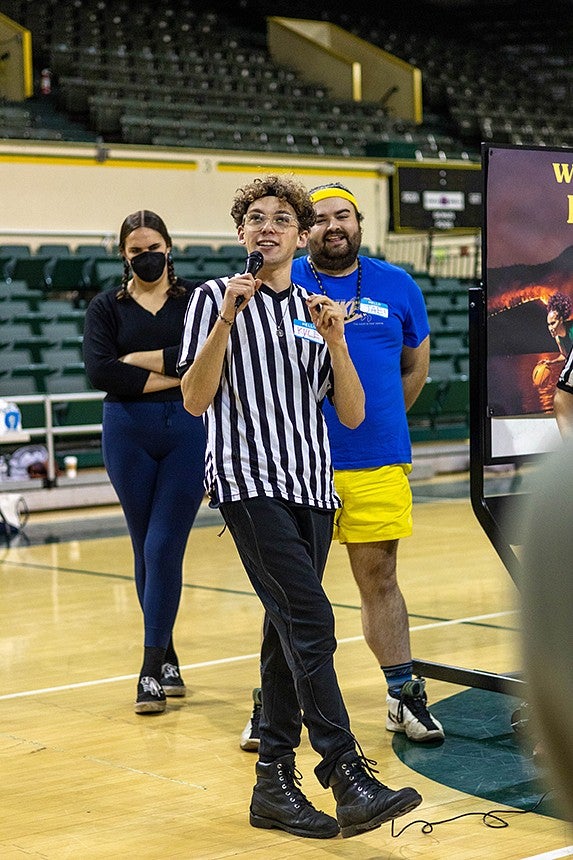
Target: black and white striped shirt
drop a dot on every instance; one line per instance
(266, 434)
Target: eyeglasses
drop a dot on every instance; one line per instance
(280, 222)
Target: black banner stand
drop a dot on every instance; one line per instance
(496, 514)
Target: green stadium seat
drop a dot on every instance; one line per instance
(448, 341)
(426, 407)
(455, 402)
(54, 307)
(35, 320)
(83, 412)
(37, 346)
(28, 379)
(441, 366)
(437, 322)
(13, 386)
(449, 284)
(438, 301)
(14, 358)
(229, 251)
(197, 252)
(73, 344)
(215, 269)
(15, 250)
(33, 414)
(107, 273)
(188, 269)
(457, 320)
(65, 274)
(91, 250)
(17, 291)
(29, 269)
(11, 307)
(53, 250)
(66, 323)
(462, 363)
(67, 380)
(59, 358)
(424, 281)
(8, 253)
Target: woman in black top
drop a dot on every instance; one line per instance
(153, 449)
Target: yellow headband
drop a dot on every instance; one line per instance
(323, 193)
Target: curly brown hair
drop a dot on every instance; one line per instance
(284, 187)
(561, 304)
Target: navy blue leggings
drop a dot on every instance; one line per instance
(154, 454)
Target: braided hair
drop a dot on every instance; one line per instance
(146, 218)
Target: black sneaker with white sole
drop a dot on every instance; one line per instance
(171, 680)
(150, 696)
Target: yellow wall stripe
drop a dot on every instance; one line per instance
(73, 161)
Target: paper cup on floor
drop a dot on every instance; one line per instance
(71, 466)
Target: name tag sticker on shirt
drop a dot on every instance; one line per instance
(377, 309)
(307, 331)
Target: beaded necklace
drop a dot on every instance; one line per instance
(355, 300)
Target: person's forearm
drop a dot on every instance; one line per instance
(414, 367)
(349, 396)
(151, 359)
(412, 384)
(159, 382)
(201, 381)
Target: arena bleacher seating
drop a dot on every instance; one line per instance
(172, 74)
(183, 75)
(166, 72)
(41, 334)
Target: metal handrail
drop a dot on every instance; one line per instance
(51, 431)
(108, 238)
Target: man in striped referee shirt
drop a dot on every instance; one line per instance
(562, 399)
(258, 356)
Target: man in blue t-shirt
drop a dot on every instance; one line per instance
(387, 333)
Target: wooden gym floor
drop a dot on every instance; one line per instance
(82, 776)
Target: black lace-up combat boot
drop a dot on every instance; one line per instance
(277, 801)
(363, 803)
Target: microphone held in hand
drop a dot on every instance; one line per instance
(253, 263)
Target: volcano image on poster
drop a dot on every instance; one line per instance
(524, 359)
(528, 274)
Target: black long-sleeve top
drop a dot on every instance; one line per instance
(117, 327)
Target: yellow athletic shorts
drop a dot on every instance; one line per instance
(376, 504)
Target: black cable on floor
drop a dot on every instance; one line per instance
(492, 818)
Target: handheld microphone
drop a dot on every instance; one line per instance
(253, 263)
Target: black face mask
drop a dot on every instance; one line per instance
(148, 266)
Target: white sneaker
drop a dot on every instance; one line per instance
(250, 735)
(409, 714)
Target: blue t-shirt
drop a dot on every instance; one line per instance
(392, 315)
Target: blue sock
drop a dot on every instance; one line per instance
(396, 677)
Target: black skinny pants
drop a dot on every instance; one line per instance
(284, 548)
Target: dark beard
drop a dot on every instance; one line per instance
(327, 261)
